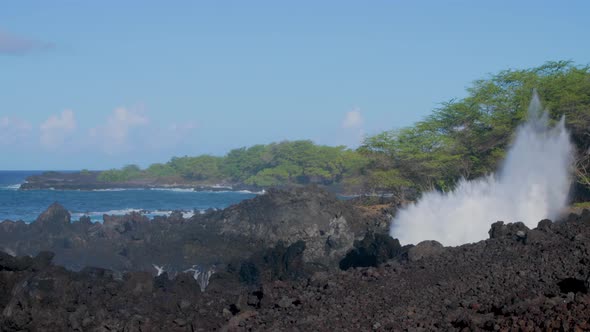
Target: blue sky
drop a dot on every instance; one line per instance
(100, 84)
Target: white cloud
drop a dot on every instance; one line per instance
(119, 123)
(57, 128)
(11, 44)
(178, 132)
(183, 127)
(170, 136)
(353, 119)
(352, 128)
(113, 136)
(13, 130)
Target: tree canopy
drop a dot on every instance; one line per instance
(462, 138)
(468, 137)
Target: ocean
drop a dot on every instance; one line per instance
(27, 205)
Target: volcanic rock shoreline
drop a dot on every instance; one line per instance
(89, 180)
(296, 260)
(327, 225)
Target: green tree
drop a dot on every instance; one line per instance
(199, 168)
(160, 171)
(468, 137)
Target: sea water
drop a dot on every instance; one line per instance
(26, 205)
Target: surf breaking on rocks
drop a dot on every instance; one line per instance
(532, 184)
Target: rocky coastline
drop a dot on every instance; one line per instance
(297, 259)
(89, 180)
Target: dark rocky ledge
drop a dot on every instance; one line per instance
(261, 268)
(329, 227)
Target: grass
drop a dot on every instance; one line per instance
(585, 205)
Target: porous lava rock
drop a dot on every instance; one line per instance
(518, 279)
(500, 284)
(327, 225)
(424, 249)
(372, 250)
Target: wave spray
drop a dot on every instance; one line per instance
(532, 184)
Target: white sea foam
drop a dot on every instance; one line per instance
(10, 187)
(532, 184)
(250, 192)
(185, 214)
(97, 215)
(201, 275)
(182, 190)
(101, 213)
(187, 190)
(221, 186)
(261, 192)
(111, 189)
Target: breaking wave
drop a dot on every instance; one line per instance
(96, 216)
(10, 187)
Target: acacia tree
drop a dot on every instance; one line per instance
(469, 137)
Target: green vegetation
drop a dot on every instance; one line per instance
(129, 172)
(582, 205)
(297, 162)
(467, 138)
(462, 138)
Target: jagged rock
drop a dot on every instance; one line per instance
(514, 231)
(535, 236)
(10, 263)
(424, 249)
(285, 302)
(497, 284)
(249, 273)
(279, 263)
(545, 225)
(54, 219)
(42, 260)
(184, 304)
(373, 250)
(327, 225)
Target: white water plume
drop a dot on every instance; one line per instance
(532, 184)
(159, 269)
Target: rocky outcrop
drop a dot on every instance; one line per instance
(518, 279)
(515, 231)
(327, 226)
(55, 219)
(278, 263)
(500, 284)
(90, 180)
(424, 249)
(373, 250)
(37, 296)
